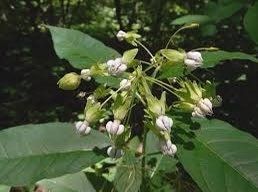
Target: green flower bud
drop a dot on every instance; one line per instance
(121, 106)
(173, 56)
(155, 106)
(70, 81)
(93, 112)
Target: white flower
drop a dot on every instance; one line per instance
(82, 127)
(164, 123)
(203, 108)
(114, 127)
(85, 74)
(125, 84)
(114, 152)
(116, 67)
(121, 35)
(167, 147)
(193, 60)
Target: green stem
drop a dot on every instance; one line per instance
(146, 49)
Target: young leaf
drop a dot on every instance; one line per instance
(221, 158)
(129, 174)
(29, 153)
(81, 50)
(188, 19)
(212, 58)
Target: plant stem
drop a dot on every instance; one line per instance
(146, 49)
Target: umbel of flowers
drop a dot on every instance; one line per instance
(111, 108)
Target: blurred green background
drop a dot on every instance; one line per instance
(30, 68)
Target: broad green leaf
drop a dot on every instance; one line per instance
(250, 22)
(129, 55)
(188, 19)
(29, 153)
(212, 58)
(76, 182)
(128, 177)
(81, 50)
(220, 11)
(221, 158)
(4, 188)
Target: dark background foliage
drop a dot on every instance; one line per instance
(30, 68)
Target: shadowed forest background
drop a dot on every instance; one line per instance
(30, 69)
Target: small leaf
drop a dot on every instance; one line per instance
(188, 19)
(108, 81)
(129, 55)
(169, 71)
(129, 174)
(250, 22)
(212, 58)
(81, 50)
(77, 182)
(29, 153)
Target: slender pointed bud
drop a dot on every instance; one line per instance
(164, 123)
(116, 67)
(86, 74)
(168, 148)
(193, 59)
(70, 81)
(121, 35)
(125, 84)
(114, 127)
(82, 127)
(114, 152)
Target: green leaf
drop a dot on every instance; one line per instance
(4, 188)
(250, 22)
(129, 174)
(220, 11)
(29, 153)
(129, 55)
(212, 58)
(81, 50)
(221, 158)
(188, 19)
(108, 81)
(169, 71)
(77, 182)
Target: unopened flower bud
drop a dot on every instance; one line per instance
(193, 59)
(121, 35)
(82, 127)
(206, 106)
(86, 74)
(114, 127)
(114, 152)
(116, 67)
(164, 123)
(197, 112)
(125, 84)
(168, 148)
(70, 81)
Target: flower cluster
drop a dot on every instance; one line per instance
(109, 108)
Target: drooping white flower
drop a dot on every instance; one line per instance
(121, 35)
(167, 147)
(115, 127)
(82, 127)
(203, 108)
(116, 67)
(125, 84)
(164, 123)
(193, 59)
(86, 74)
(114, 152)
